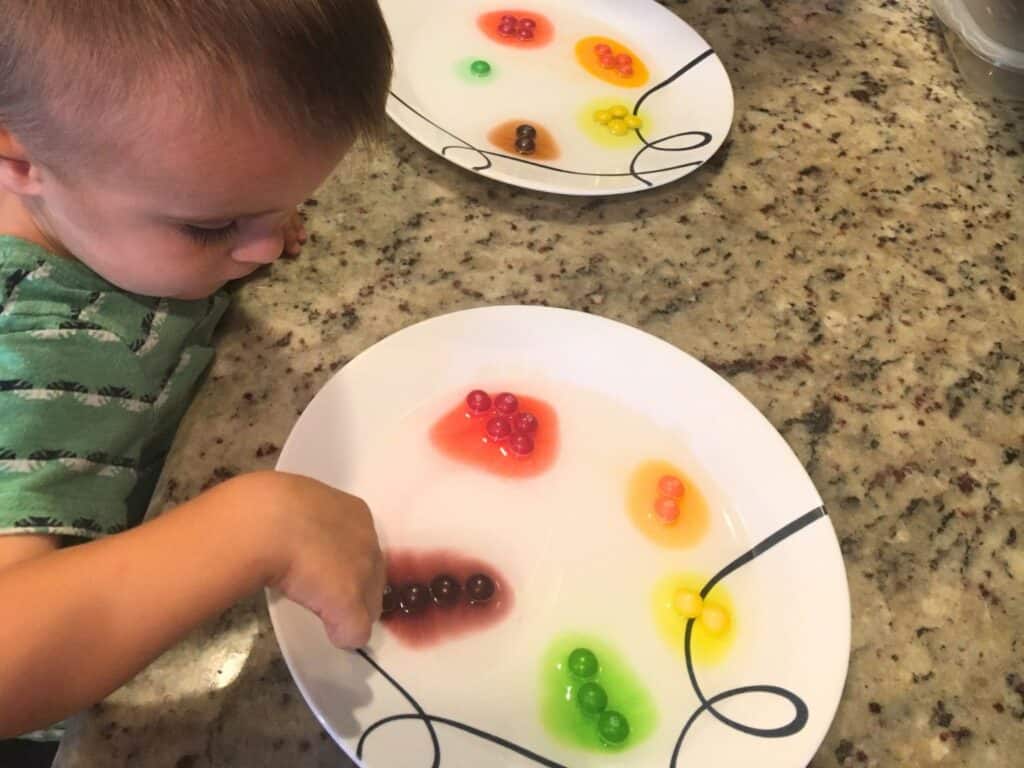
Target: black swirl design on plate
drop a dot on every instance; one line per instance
(485, 162)
(707, 704)
(800, 714)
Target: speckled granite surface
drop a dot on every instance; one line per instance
(852, 261)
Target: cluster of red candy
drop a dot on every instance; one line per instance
(508, 425)
(622, 62)
(523, 28)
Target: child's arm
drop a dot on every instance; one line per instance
(77, 623)
(18, 549)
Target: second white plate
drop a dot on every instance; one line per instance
(684, 99)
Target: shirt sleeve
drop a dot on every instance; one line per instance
(74, 415)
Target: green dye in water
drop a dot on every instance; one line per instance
(574, 711)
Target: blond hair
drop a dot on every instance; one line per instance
(73, 73)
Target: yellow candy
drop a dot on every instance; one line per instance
(634, 122)
(619, 111)
(618, 127)
(687, 604)
(714, 619)
(602, 116)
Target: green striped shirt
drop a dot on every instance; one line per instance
(93, 384)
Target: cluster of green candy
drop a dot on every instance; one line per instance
(592, 699)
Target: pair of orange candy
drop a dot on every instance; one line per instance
(670, 493)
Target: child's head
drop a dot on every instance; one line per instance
(164, 142)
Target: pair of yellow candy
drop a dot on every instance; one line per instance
(618, 121)
(690, 605)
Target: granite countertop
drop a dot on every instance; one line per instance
(851, 260)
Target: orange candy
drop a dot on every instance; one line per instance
(612, 62)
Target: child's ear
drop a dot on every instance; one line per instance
(17, 172)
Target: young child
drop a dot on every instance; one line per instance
(150, 152)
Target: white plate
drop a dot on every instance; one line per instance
(565, 543)
(687, 102)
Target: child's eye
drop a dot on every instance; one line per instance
(208, 235)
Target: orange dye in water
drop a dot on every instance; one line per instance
(642, 503)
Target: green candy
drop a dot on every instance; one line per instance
(480, 68)
(583, 663)
(591, 698)
(613, 727)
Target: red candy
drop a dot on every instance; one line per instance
(671, 487)
(623, 58)
(521, 444)
(524, 423)
(498, 428)
(626, 71)
(602, 50)
(506, 403)
(524, 28)
(608, 61)
(478, 401)
(666, 509)
(509, 28)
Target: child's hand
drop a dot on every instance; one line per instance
(326, 555)
(294, 235)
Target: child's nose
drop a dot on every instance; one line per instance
(259, 250)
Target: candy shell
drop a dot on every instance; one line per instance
(478, 401)
(714, 619)
(498, 428)
(506, 404)
(618, 127)
(666, 509)
(480, 587)
(687, 603)
(521, 445)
